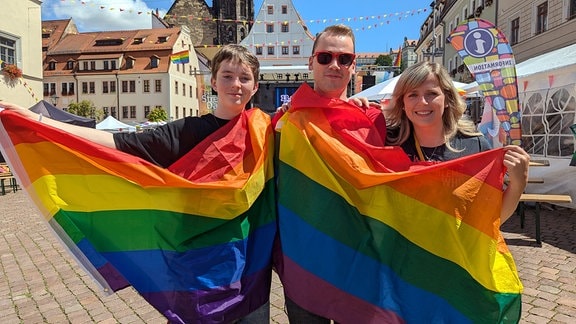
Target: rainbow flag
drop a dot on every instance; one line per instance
(398, 59)
(368, 238)
(180, 57)
(195, 241)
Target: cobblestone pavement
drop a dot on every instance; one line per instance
(41, 283)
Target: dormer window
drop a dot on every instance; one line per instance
(154, 60)
(52, 65)
(138, 40)
(163, 39)
(130, 62)
(70, 65)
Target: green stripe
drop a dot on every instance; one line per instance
(126, 230)
(333, 216)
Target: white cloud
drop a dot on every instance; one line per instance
(101, 15)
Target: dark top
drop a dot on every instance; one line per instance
(465, 145)
(166, 144)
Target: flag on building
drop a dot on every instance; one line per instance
(363, 244)
(195, 240)
(398, 59)
(180, 57)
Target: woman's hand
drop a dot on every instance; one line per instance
(516, 160)
(20, 110)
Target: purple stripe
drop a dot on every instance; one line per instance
(114, 278)
(328, 301)
(220, 305)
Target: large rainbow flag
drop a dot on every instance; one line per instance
(366, 238)
(195, 241)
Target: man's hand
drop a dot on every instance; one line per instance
(363, 102)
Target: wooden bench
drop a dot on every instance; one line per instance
(537, 199)
(539, 163)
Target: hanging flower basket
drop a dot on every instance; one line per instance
(12, 72)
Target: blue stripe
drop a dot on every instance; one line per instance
(372, 281)
(199, 269)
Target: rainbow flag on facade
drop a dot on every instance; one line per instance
(368, 238)
(398, 59)
(195, 241)
(180, 57)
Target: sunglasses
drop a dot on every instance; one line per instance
(343, 59)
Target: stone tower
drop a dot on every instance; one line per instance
(226, 22)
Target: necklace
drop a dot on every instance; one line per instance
(421, 154)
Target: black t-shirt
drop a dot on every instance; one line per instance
(465, 145)
(166, 144)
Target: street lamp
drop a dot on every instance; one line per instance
(54, 98)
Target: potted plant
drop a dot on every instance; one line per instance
(11, 71)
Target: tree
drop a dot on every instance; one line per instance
(157, 114)
(384, 60)
(85, 108)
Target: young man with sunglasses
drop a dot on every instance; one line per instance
(333, 63)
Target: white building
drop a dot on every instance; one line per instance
(20, 45)
(124, 73)
(283, 44)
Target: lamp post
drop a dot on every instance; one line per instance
(54, 98)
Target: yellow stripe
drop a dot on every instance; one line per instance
(379, 201)
(104, 192)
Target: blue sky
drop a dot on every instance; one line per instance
(378, 24)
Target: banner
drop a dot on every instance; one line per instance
(488, 56)
(368, 238)
(195, 241)
(180, 57)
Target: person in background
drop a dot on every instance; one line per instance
(234, 77)
(426, 119)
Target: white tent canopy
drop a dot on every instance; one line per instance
(111, 124)
(383, 90)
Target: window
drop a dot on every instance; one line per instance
(296, 50)
(157, 85)
(85, 66)
(269, 28)
(52, 89)
(113, 64)
(542, 18)
(154, 62)
(70, 88)
(130, 63)
(52, 66)
(191, 92)
(112, 86)
(284, 28)
(104, 86)
(113, 111)
(124, 111)
(146, 111)
(270, 50)
(572, 9)
(132, 111)
(285, 50)
(64, 91)
(46, 89)
(175, 87)
(183, 90)
(284, 9)
(258, 50)
(8, 50)
(176, 112)
(84, 87)
(270, 10)
(124, 86)
(146, 86)
(70, 65)
(106, 111)
(106, 65)
(92, 65)
(514, 31)
(92, 87)
(132, 86)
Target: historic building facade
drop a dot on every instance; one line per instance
(226, 22)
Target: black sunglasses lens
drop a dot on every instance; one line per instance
(345, 59)
(324, 58)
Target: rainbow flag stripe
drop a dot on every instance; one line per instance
(180, 57)
(195, 242)
(369, 238)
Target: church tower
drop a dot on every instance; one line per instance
(234, 20)
(226, 22)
